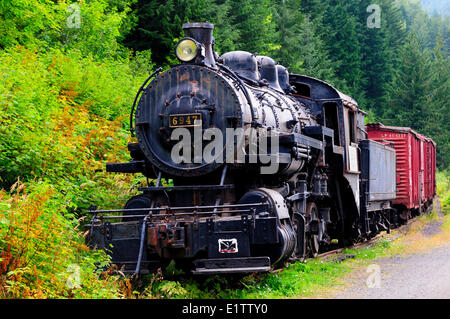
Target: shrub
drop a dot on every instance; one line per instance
(63, 116)
(91, 27)
(443, 190)
(42, 252)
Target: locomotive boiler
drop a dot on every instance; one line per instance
(249, 165)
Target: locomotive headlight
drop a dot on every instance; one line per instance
(186, 50)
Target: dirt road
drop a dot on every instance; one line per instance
(425, 275)
(415, 276)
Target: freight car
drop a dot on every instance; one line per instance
(416, 167)
(249, 166)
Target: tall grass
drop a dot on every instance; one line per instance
(443, 190)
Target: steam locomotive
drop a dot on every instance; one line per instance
(250, 166)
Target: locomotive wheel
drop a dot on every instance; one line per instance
(312, 220)
(139, 202)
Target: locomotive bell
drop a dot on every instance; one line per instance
(197, 46)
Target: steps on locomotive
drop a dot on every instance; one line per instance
(231, 265)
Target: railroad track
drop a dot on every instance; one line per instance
(338, 251)
(368, 242)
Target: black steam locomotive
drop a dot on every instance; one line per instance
(291, 181)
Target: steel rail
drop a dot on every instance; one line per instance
(366, 243)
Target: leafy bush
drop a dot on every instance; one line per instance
(443, 190)
(42, 251)
(92, 27)
(65, 97)
(63, 116)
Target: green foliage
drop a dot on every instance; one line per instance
(437, 125)
(64, 103)
(379, 49)
(417, 96)
(427, 28)
(42, 250)
(22, 22)
(408, 91)
(443, 190)
(57, 126)
(254, 20)
(61, 113)
(299, 46)
(92, 27)
(159, 24)
(226, 34)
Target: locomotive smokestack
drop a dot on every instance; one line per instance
(202, 32)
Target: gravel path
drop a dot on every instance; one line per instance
(425, 275)
(419, 276)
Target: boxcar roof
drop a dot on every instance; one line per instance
(401, 129)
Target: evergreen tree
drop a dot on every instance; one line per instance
(254, 21)
(407, 99)
(437, 114)
(342, 28)
(379, 47)
(288, 20)
(426, 27)
(301, 49)
(226, 34)
(315, 9)
(159, 25)
(338, 26)
(314, 55)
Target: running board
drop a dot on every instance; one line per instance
(231, 265)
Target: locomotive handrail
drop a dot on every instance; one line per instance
(132, 130)
(176, 208)
(186, 187)
(160, 216)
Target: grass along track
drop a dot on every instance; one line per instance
(369, 242)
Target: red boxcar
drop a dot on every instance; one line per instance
(429, 169)
(416, 164)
